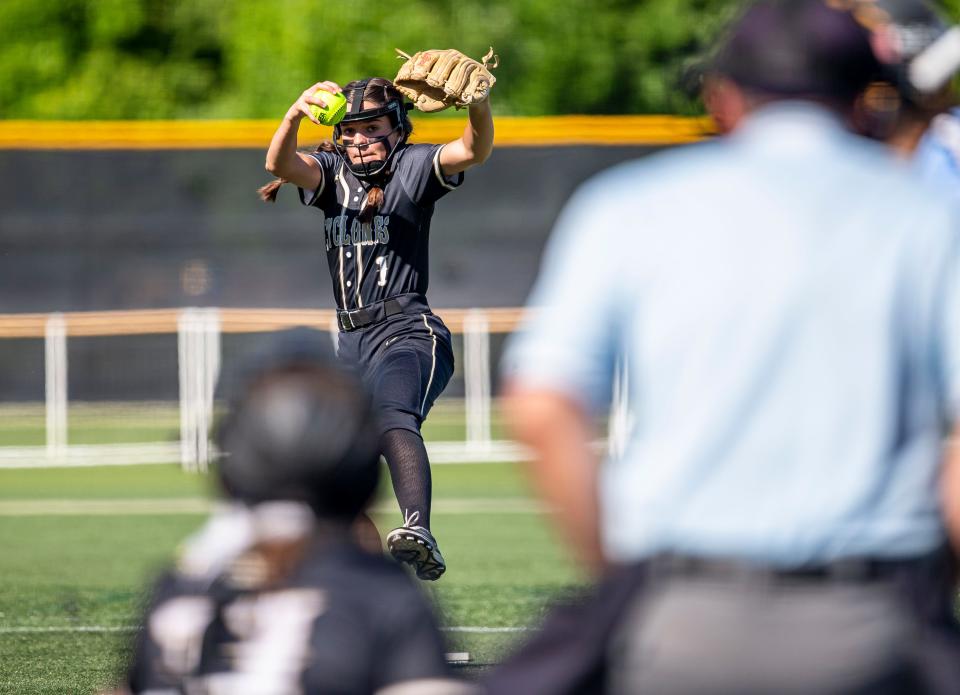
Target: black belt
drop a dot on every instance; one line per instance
(854, 569)
(378, 311)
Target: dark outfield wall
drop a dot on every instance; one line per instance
(144, 229)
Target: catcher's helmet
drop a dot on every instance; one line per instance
(299, 428)
(393, 106)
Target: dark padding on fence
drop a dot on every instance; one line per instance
(96, 230)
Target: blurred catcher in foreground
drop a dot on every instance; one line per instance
(273, 595)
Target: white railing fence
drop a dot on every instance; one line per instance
(476, 366)
(55, 352)
(199, 358)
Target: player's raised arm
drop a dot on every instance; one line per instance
(283, 160)
(438, 79)
(474, 146)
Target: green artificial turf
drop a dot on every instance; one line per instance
(73, 583)
(132, 423)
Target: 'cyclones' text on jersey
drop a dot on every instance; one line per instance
(388, 255)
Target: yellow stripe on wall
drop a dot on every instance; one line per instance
(512, 131)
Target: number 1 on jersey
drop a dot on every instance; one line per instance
(382, 263)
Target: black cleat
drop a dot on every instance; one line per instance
(416, 546)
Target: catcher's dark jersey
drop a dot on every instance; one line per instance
(389, 255)
(344, 622)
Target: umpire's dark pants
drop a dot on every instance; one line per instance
(405, 359)
(722, 628)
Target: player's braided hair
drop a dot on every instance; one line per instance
(268, 193)
(378, 92)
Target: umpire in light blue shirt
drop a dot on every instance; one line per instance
(786, 299)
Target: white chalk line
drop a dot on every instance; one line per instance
(164, 507)
(481, 630)
(108, 629)
(38, 630)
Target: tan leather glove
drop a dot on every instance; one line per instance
(438, 79)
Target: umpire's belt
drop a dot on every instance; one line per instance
(854, 569)
(410, 303)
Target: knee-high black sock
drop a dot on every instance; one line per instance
(410, 472)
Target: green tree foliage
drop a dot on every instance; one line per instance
(144, 59)
(109, 58)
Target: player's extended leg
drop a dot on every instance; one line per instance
(409, 466)
(412, 543)
(405, 382)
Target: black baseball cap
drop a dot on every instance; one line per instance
(797, 48)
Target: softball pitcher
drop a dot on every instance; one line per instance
(377, 194)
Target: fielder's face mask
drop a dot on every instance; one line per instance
(368, 166)
(918, 46)
(919, 53)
